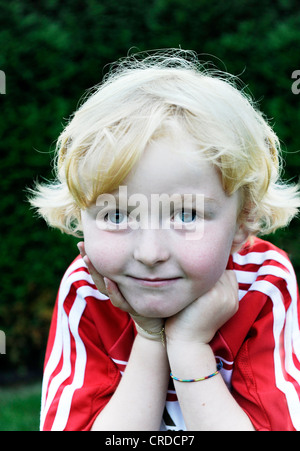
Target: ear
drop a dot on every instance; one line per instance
(240, 237)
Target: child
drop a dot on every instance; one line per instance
(175, 315)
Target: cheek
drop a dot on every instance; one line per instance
(203, 267)
(106, 253)
(205, 261)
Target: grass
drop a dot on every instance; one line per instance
(20, 408)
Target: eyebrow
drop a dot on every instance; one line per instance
(209, 201)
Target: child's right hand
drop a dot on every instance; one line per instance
(147, 327)
(97, 278)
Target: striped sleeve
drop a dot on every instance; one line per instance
(79, 377)
(266, 377)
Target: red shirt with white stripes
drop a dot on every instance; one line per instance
(90, 342)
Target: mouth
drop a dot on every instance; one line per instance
(155, 282)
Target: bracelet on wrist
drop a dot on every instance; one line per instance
(161, 333)
(219, 367)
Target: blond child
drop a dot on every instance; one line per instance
(175, 315)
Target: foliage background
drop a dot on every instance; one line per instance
(51, 52)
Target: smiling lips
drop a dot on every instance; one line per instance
(155, 282)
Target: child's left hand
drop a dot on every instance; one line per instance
(200, 320)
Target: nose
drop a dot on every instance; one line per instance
(151, 247)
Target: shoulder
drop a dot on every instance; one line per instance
(263, 267)
(260, 253)
(79, 366)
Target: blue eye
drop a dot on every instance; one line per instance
(115, 217)
(185, 216)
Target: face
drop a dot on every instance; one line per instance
(160, 270)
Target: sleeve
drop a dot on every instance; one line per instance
(79, 375)
(266, 376)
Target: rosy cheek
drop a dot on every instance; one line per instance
(204, 263)
(107, 255)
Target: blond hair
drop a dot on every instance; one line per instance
(138, 102)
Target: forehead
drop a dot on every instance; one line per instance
(169, 166)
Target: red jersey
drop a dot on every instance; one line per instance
(90, 342)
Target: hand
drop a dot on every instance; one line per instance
(111, 289)
(200, 320)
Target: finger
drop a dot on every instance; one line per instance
(97, 278)
(234, 287)
(229, 277)
(116, 296)
(105, 285)
(81, 248)
(233, 279)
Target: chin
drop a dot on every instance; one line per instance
(157, 304)
(156, 309)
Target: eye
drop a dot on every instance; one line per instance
(185, 216)
(115, 217)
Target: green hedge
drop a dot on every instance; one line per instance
(51, 53)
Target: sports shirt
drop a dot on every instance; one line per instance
(90, 342)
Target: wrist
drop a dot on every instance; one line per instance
(186, 335)
(183, 341)
(183, 350)
(158, 336)
(190, 359)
